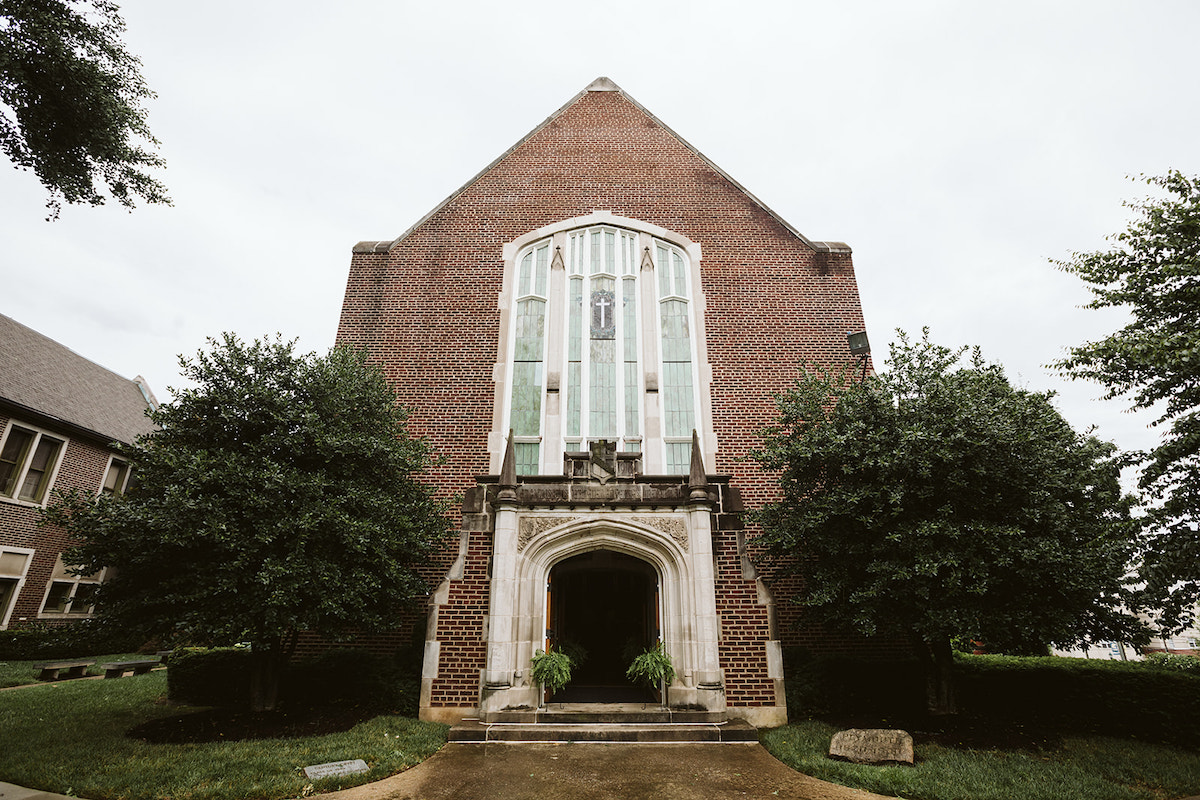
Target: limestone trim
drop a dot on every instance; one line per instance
(674, 527)
(533, 527)
(676, 544)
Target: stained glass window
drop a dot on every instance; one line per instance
(604, 317)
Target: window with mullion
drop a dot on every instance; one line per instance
(529, 348)
(28, 459)
(678, 390)
(600, 359)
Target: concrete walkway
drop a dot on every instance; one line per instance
(504, 771)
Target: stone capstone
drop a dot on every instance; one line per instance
(872, 746)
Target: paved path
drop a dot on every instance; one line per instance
(502, 771)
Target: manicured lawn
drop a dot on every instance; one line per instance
(69, 738)
(18, 673)
(1083, 768)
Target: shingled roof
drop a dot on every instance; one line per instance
(40, 375)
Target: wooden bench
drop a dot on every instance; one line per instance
(58, 670)
(117, 669)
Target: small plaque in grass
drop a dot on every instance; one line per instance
(875, 746)
(334, 768)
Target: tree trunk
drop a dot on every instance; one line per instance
(264, 677)
(937, 659)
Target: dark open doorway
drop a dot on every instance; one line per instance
(605, 604)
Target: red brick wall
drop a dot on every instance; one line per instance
(83, 466)
(427, 310)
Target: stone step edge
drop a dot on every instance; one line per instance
(602, 718)
(732, 731)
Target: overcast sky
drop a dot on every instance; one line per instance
(956, 147)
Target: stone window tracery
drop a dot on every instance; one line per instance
(625, 328)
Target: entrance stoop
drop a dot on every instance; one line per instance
(604, 722)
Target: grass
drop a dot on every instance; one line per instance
(1084, 768)
(19, 673)
(69, 738)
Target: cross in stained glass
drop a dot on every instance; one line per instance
(604, 321)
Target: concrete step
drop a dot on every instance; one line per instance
(598, 715)
(734, 730)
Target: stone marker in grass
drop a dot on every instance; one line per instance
(872, 746)
(338, 768)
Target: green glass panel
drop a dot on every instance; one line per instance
(679, 458)
(664, 273)
(526, 270)
(629, 323)
(597, 255)
(575, 322)
(574, 397)
(531, 330)
(527, 398)
(631, 398)
(543, 256)
(678, 414)
(680, 276)
(526, 457)
(610, 252)
(675, 343)
(602, 375)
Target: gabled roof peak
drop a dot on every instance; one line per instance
(602, 84)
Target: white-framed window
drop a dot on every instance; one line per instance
(71, 595)
(116, 477)
(29, 459)
(618, 286)
(529, 356)
(14, 563)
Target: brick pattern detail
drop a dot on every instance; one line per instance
(426, 310)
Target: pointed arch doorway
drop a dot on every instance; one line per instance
(604, 605)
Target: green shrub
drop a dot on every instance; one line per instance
(1124, 699)
(819, 684)
(348, 676)
(355, 676)
(1114, 698)
(73, 640)
(1175, 661)
(209, 677)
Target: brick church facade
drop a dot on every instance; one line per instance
(590, 333)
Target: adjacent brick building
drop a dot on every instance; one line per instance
(590, 333)
(59, 417)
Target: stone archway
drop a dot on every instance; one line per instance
(675, 544)
(603, 609)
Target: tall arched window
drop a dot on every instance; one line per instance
(529, 341)
(603, 347)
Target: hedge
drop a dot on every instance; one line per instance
(73, 640)
(221, 677)
(1116, 698)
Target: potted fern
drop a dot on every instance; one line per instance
(652, 669)
(552, 670)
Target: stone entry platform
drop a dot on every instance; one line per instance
(604, 722)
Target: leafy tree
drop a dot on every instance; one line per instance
(73, 97)
(1153, 270)
(279, 496)
(936, 500)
